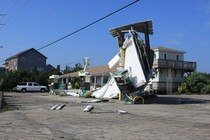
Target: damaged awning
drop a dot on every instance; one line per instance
(143, 27)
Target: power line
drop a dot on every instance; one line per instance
(18, 12)
(87, 26)
(54, 9)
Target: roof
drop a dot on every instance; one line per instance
(23, 52)
(97, 70)
(143, 27)
(49, 67)
(161, 48)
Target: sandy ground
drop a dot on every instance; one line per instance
(163, 118)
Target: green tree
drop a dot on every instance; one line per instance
(67, 69)
(76, 67)
(197, 81)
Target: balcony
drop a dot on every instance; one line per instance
(173, 64)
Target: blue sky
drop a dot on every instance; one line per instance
(178, 24)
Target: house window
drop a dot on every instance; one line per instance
(165, 56)
(155, 55)
(177, 57)
(39, 60)
(22, 59)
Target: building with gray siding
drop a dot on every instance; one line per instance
(26, 61)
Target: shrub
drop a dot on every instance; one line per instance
(197, 82)
(182, 88)
(205, 89)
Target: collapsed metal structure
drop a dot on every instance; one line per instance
(135, 58)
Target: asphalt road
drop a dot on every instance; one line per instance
(163, 118)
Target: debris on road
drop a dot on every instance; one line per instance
(57, 107)
(121, 112)
(89, 108)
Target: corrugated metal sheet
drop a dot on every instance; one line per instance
(143, 27)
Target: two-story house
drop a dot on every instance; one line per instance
(26, 61)
(169, 69)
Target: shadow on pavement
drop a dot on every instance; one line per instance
(174, 100)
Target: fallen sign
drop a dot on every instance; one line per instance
(57, 107)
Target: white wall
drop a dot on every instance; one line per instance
(169, 55)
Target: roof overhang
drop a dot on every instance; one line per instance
(145, 27)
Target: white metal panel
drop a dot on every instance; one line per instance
(114, 60)
(110, 90)
(133, 65)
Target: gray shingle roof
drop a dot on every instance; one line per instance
(23, 52)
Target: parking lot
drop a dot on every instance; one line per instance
(166, 117)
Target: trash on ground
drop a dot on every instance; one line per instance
(121, 112)
(72, 92)
(89, 108)
(57, 107)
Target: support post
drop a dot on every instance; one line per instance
(122, 57)
(146, 34)
(122, 51)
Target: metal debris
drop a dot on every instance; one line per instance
(57, 107)
(89, 108)
(121, 112)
